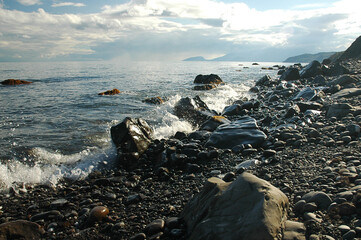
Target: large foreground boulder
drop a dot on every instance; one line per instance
(290, 74)
(248, 208)
(311, 70)
(14, 82)
(243, 131)
(132, 137)
(194, 110)
(21, 229)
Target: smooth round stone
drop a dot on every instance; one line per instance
(139, 236)
(310, 207)
(349, 235)
(299, 206)
(322, 199)
(312, 216)
(155, 227)
(98, 213)
(344, 228)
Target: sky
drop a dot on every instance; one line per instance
(167, 30)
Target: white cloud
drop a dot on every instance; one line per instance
(185, 25)
(67, 4)
(29, 2)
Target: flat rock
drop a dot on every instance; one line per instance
(248, 208)
(347, 93)
(242, 131)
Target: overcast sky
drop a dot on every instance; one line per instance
(256, 30)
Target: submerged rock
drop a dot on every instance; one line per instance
(204, 87)
(154, 100)
(193, 110)
(132, 136)
(110, 92)
(242, 131)
(14, 82)
(247, 208)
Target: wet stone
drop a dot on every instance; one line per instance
(155, 227)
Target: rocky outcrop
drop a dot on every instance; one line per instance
(248, 208)
(21, 229)
(14, 82)
(110, 92)
(193, 110)
(208, 79)
(241, 132)
(353, 52)
(132, 138)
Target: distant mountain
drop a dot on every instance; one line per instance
(198, 58)
(306, 58)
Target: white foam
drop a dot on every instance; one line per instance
(50, 167)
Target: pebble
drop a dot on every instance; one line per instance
(155, 227)
(98, 213)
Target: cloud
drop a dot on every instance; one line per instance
(29, 2)
(67, 4)
(164, 29)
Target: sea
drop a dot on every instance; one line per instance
(59, 126)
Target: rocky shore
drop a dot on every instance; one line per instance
(283, 165)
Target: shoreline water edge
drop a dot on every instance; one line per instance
(285, 164)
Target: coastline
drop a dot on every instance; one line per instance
(313, 151)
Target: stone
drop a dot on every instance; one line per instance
(243, 131)
(194, 110)
(311, 70)
(132, 135)
(339, 110)
(110, 92)
(98, 213)
(232, 110)
(322, 199)
(350, 235)
(347, 93)
(294, 231)
(208, 79)
(343, 80)
(204, 87)
(54, 214)
(155, 227)
(304, 106)
(212, 123)
(248, 208)
(21, 229)
(14, 82)
(290, 74)
(59, 203)
(264, 81)
(306, 94)
(154, 100)
(292, 111)
(139, 236)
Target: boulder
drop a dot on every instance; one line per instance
(132, 135)
(247, 208)
(311, 70)
(264, 81)
(232, 110)
(21, 229)
(204, 87)
(347, 93)
(343, 81)
(290, 74)
(193, 110)
(110, 92)
(212, 123)
(154, 100)
(14, 82)
(208, 79)
(243, 131)
(339, 110)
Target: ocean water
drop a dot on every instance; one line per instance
(59, 126)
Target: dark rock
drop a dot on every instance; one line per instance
(155, 227)
(208, 79)
(193, 110)
(347, 93)
(247, 208)
(14, 82)
(306, 94)
(98, 213)
(339, 110)
(154, 100)
(304, 106)
(311, 70)
(212, 123)
(139, 236)
(320, 198)
(264, 81)
(54, 214)
(232, 110)
(290, 74)
(21, 229)
(110, 92)
(204, 87)
(343, 81)
(133, 135)
(292, 111)
(242, 131)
